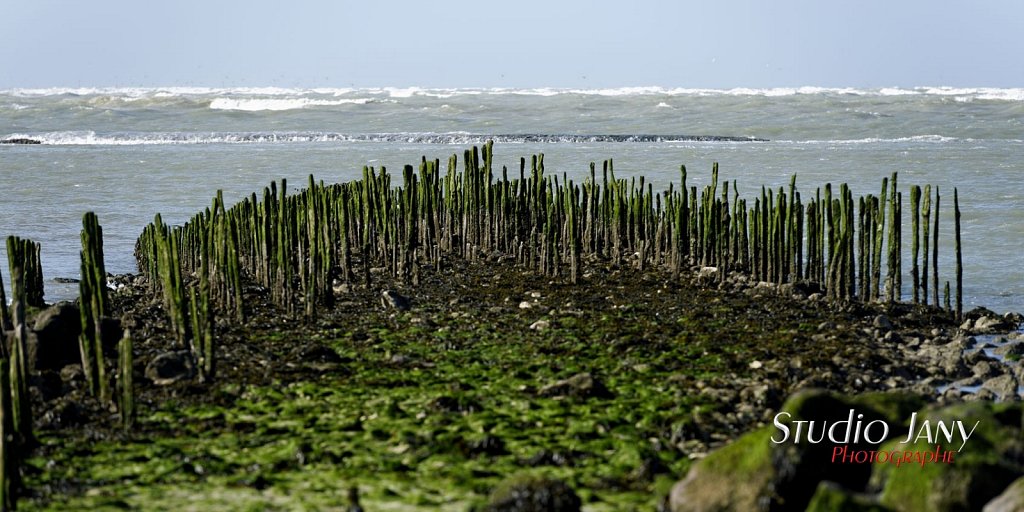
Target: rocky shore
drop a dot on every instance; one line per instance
(600, 394)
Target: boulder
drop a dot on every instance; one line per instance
(882, 323)
(988, 462)
(1004, 386)
(981, 320)
(757, 473)
(55, 343)
(532, 493)
(170, 367)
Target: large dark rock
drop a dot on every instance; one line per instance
(532, 493)
(988, 462)
(755, 473)
(55, 343)
(53, 340)
(170, 367)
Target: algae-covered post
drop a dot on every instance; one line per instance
(127, 406)
(9, 456)
(926, 211)
(935, 251)
(5, 315)
(876, 270)
(24, 254)
(959, 259)
(21, 402)
(915, 217)
(93, 307)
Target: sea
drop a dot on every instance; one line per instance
(130, 153)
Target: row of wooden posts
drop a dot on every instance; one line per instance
(297, 245)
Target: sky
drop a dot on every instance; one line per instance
(525, 43)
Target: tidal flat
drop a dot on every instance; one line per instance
(614, 385)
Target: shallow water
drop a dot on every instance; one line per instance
(128, 154)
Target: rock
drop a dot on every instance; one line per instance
(55, 343)
(984, 370)
(755, 473)
(64, 414)
(317, 356)
(392, 299)
(882, 322)
(531, 493)
(581, 385)
(966, 342)
(977, 356)
(170, 367)
(990, 324)
(1011, 500)
(948, 358)
(761, 396)
(540, 325)
(400, 359)
(72, 373)
(982, 320)
(1011, 351)
(1005, 386)
(987, 464)
(892, 338)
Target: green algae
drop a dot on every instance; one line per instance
(430, 409)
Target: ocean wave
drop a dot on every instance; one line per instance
(399, 93)
(88, 138)
(277, 104)
(932, 139)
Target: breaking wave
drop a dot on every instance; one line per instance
(92, 138)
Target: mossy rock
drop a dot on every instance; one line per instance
(532, 493)
(830, 497)
(988, 462)
(757, 473)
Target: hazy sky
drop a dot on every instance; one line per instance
(521, 43)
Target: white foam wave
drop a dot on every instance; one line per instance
(400, 93)
(89, 138)
(932, 139)
(258, 104)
